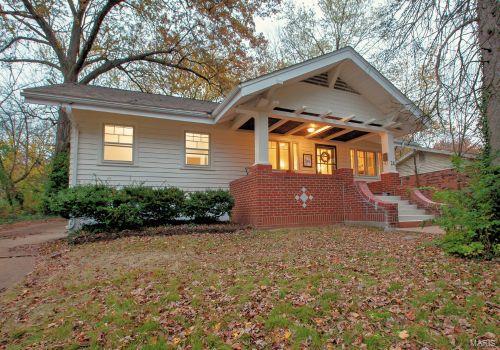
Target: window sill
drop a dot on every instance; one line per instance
(202, 168)
(111, 164)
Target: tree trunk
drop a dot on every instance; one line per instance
(63, 132)
(63, 123)
(489, 42)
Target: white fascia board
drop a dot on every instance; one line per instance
(119, 108)
(310, 67)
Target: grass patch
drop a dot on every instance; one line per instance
(348, 287)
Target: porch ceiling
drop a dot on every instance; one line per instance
(311, 130)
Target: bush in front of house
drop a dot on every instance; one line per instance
(133, 207)
(208, 206)
(471, 216)
(118, 209)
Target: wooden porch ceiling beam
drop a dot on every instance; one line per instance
(298, 128)
(318, 131)
(277, 124)
(361, 138)
(337, 134)
(240, 120)
(313, 119)
(346, 119)
(333, 75)
(299, 110)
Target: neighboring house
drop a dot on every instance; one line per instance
(295, 146)
(427, 167)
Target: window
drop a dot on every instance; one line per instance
(295, 152)
(279, 155)
(365, 163)
(197, 149)
(326, 159)
(118, 143)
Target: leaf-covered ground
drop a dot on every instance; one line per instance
(335, 287)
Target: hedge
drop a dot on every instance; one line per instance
(133, 207)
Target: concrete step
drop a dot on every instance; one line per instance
(418, 217)
(411, 211)
(389, 198)
(407, 206)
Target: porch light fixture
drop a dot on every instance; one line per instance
(310, 129)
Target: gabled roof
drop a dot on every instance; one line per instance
(110, 97)
(307, 69)
(418, 149)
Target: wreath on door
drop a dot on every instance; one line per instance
(325, 157)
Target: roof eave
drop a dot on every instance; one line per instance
(117, 107)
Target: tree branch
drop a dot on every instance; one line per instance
(30, 60)
(49, 32)
(93, 33)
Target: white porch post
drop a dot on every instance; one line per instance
(261, 139)
(388, 152)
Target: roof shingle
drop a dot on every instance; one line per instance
(99, 93)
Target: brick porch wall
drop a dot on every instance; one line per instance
(266, 198)
(448, 179)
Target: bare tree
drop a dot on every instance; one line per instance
(25, 140)
(80, 42)
(310, 32)
(441, 39)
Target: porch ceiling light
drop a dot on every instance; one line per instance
(310, 129)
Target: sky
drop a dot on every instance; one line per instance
(269, 26)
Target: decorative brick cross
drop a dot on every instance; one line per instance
(303, 196)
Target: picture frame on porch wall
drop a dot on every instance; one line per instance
(307, 160)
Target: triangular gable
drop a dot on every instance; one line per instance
(314, 70)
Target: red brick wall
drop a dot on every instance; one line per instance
(389, 183)
(266, 198)
(443, 179)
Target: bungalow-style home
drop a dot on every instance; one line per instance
(309, 144)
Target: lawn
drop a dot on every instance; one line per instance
(303, 288)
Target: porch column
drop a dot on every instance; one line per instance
(388, 153)
(261, 139)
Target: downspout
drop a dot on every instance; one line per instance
(73, 154)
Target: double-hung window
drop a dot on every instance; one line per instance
(279, 155)
(197, 149)
(364, 163)
(118, 143)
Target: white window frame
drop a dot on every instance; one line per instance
(355, 165)
(194, 166)
(104, 143)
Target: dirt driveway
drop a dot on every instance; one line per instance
(19, 246)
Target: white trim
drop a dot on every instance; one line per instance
(310, 68)
(194, 166)
(134, 147)
(118, 108)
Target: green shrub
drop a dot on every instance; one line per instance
(471, 216)
(208, 206)
(58, 179)
(118, 209)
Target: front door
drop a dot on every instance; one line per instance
(326, 159)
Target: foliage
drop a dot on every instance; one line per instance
(57, 179)
(471, 216)
(336, 287)
(209, 205)
(86, 236)
(133, 207)
(118, 209)
(25, 145)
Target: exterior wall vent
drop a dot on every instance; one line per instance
(322, 80)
